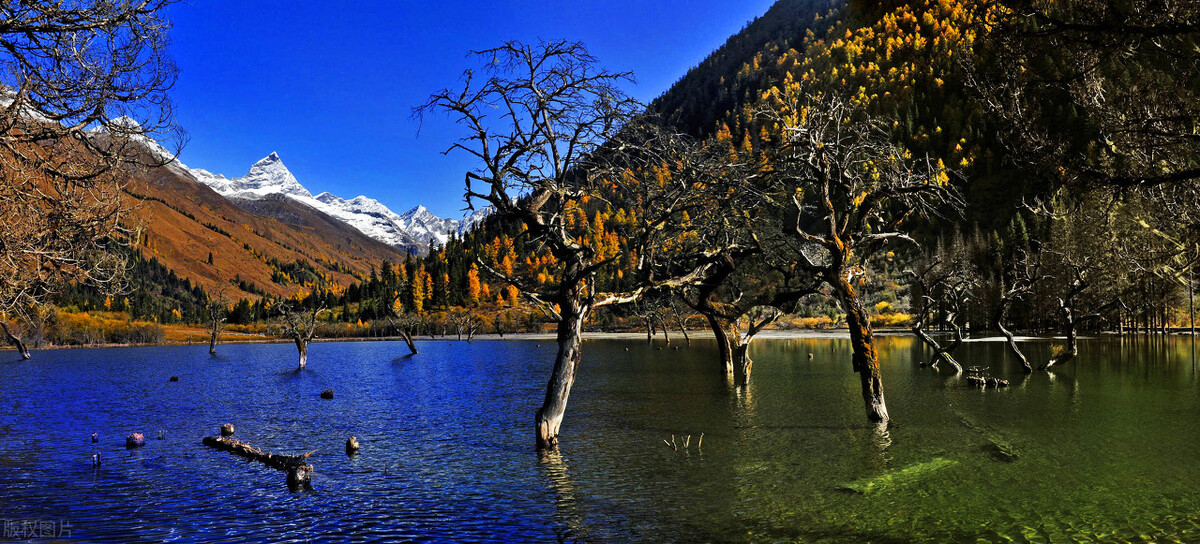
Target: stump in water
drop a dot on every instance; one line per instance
(135, 440)
(352, 445)
(327, 394)
(299, 473)
(227, 430)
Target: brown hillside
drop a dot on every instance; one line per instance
(182, 220)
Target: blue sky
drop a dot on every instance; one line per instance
(330, 85)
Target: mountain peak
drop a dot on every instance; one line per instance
(269, 159)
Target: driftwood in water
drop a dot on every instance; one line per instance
(986, 382)
(299, 472)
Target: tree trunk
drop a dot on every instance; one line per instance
(862, 340)
(302, 347)
(740, 353)
(549, 417)
(213, 338)
(15, 341)
(683, 329)
(724, 345)
(998, 320)
(408, 339)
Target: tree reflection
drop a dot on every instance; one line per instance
(570, 519)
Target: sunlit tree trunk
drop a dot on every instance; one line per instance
(862, 340)
(549, 417)
(302, 347)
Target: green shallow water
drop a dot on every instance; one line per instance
(1105, 449)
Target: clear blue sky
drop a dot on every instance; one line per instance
(330, 85)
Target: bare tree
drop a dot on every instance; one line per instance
(218, 312)
(82, 95)
(536, 123)
(940, 290)
(300, 325)
(465, 322)
(1023, 274)
(844, 192)
(1101, 92)
(407, 325)
(739, 296)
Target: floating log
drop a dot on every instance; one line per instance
(135, 440)
(298, 471)
(898, 477)
(327, 394)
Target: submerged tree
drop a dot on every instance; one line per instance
(940, 289)
(218, 312)
(300, 325)
(536, 123)
(844, 191)
(82, 86)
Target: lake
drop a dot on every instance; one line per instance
(1106, 449)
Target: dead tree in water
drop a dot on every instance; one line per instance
(739, 297)
(1070, 324)
(407, 326)
(217, 314)
(300, 325)
(841, 192)
(13, 339)
(465, 321)
(1024, 275)
(543, 125)
(940, 291)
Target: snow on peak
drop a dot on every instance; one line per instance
(269, 176)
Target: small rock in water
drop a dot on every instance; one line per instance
(352, 445)
(135, 440)
(95, 437)
(227, 430)
(174, 378)
(327, 394)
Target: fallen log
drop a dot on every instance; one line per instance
(299, 472)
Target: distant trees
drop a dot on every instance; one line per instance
(82, 87)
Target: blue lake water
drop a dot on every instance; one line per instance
(1107, 446)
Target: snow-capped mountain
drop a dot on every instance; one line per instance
(270, 176)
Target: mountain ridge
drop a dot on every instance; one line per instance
(415, 228)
